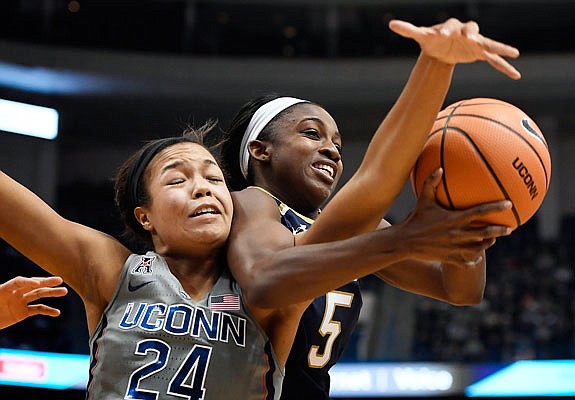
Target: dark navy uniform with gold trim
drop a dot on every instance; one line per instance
(324, 330)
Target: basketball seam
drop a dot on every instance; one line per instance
(516, 133)
(493, 174)
(453, 112)
(441, 153)
(464, 104)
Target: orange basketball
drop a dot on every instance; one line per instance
(489, 150)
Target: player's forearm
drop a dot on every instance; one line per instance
(400, 137)
(389, 158)
(302, 273)
(464, 285)
(459, 285)
(21, 215)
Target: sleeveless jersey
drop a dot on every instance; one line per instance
(155, 342)
(324, 330)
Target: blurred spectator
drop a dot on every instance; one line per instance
(527, 312)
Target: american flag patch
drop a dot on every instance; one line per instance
(225, 302)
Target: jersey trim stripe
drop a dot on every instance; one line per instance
(94, 354)
(282, 206)
(269, 376)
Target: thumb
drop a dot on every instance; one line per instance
(431, 182)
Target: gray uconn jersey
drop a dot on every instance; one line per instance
(155, 342)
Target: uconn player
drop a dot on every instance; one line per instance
(283, 156)
(170, 323)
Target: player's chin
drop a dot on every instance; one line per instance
(324, 177)
(322, 191)
(214, 240)
(211, 233)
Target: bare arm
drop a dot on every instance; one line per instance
(88, 260)
(256, 235)
(274, 273)
(399, 139)
(456, 284)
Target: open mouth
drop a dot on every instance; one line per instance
(204, 211)
(325, 169)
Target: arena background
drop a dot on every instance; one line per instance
(120, 72)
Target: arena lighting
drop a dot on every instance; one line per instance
(536, 378)
(396, 379)
(28, 119)
(43, 370)
(533, 378)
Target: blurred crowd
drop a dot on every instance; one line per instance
(528, 311)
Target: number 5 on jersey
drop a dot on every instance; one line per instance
(329, 327)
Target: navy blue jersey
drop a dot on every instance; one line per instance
(324, 330)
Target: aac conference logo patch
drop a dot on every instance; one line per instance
(144, 267)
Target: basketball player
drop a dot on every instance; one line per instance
(17, 294)
(288, 152)
(170, 323)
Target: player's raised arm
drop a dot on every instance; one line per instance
(59, 246)
(275, 273)
(399, 139)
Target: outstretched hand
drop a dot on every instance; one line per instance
(17, 294)
(454, 42)
(433, 233)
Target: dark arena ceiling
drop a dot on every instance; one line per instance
(278, 28)
(125, 69)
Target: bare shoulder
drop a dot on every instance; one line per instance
(104, 258)
(256, 232)
(251, 194)
(252, 201)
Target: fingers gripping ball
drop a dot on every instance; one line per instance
(489, 150)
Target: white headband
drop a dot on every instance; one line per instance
(260, 119)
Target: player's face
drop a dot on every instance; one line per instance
(190, 210)
(306, 158)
